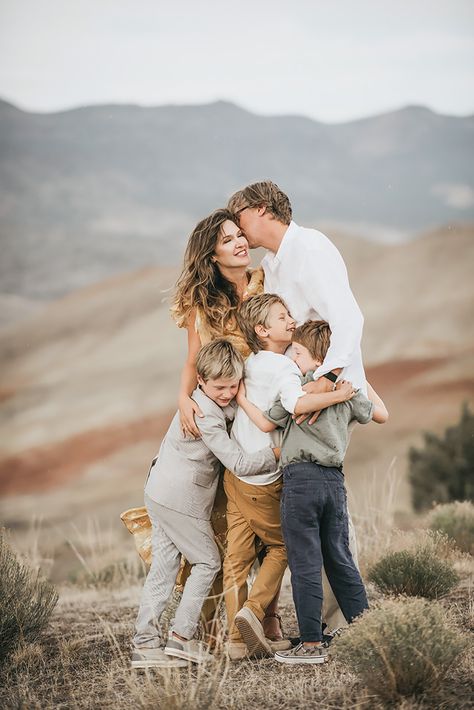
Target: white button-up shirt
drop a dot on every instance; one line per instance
(268, 377)
(309, 274)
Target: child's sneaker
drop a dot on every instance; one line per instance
(252, 633)
(302, 654)
(192, 650)
(154, 658)
(236, 650)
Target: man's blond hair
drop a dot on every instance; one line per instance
(314, 335)
(265, 193)
(254, 311)
(219, 359)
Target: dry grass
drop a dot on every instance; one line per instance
(83, 662)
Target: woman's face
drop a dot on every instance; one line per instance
(232, 249)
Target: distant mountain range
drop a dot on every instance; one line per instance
(94, 191)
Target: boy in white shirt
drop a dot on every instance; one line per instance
(253, 510)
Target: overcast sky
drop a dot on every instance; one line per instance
(328, 59)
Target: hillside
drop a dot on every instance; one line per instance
(92, 192)
(90, 383)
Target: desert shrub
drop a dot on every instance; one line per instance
(457, 521)
(417, 572)
(115, 575)
(26, 601)
(443, 470)
(402, 648)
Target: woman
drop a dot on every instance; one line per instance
(214, 281)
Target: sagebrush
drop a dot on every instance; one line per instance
(402, 648)
(442, 471)
(457, 521)
(416, 572)
(26, 601)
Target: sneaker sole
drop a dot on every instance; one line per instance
(251, 637)
(186, 656)
(299, 660)
(158, 664)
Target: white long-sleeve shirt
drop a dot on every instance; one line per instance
(309, 273)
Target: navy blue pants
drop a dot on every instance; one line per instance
(315, 528)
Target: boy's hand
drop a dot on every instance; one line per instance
(277, 452)
(241, 393)
(345, 389)
(319, 386)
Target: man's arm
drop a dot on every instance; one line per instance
(327, 290)
(380, 411)
(215, 437)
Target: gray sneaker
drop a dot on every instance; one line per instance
(193, 650)
(154, 658)
(252, 633)
(302, 654)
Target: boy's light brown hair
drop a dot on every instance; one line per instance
(219, 359)
(314, 335)
(254, 311)
(265, 193)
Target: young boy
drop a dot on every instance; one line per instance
(314, 508)
(179, 495)
(253, 506)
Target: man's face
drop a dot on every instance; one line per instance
(250, 222)
(303, 358)
(222, 391)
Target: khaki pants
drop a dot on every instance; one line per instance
(252, 511)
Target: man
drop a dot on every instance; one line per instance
(304, 268)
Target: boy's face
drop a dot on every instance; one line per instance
(221, 391)
(303, 358)
(279, 325)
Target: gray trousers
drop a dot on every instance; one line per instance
(175, 534)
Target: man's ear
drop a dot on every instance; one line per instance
(261, 331)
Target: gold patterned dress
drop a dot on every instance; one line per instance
(136, 519)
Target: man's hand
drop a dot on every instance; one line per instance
(319, 386)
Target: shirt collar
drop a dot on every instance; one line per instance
(284, 244)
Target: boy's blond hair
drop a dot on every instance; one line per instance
(265, 193)
(314, 335)
(219, 359)
(254, 311)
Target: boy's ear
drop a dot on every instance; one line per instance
(200, 380)
(260, 330)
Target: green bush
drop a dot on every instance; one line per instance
(457, 521)
(417, 572)
(402, 648)
(443, 471)
(26, 601)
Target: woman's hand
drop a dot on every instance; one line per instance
(188, 409)
(241, 393)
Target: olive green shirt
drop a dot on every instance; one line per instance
(325, 442)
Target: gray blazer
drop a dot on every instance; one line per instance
(184, 474)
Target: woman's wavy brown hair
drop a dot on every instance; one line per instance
(201, 284)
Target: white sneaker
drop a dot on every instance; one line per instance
(303, 654)
(192, 650)
(154, 658)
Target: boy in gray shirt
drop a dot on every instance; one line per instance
(313, 504)
(179, 494)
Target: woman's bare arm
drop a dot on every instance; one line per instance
(380, 413)
(187, 406)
